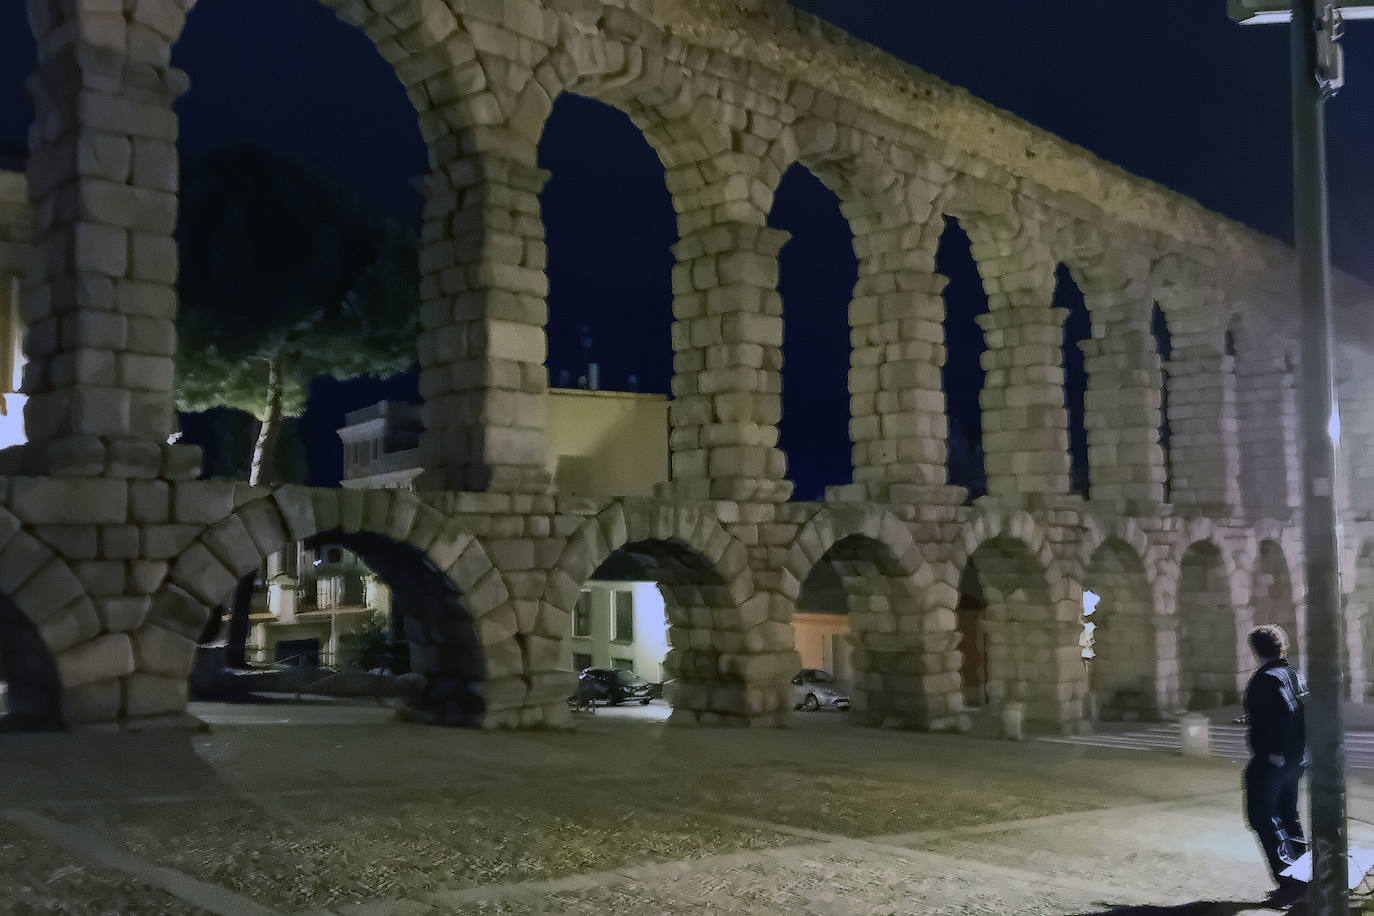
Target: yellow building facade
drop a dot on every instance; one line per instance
(603, 443)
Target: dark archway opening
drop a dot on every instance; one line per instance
(817, 273)
(963, 374)
(433, 634)
(1164, 347)
(845, 610)
(1077, 328)
(822, 634)
(30, 689)
(652, 609)
(609, 227)
(355, 611)
(1123, 674)
(1021, 630)
(18, 56)
(1271, 596)
(971, 622)
(1207, 638)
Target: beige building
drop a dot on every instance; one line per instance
(603, 442)
(823, 642)
(313, 598)
(600, 443)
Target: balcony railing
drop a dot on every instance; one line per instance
(405, 460)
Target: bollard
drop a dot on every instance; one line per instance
(1012, 714)
(1194, 730)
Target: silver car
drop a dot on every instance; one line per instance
(814, 689)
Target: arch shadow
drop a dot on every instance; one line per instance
(428, 612)
(880, 649)
(1027, 648)
(1272, 598)
(33, 699)
(1206, 632)
(1124, 675)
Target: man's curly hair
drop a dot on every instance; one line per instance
(1269, 641)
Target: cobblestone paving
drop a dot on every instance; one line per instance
(620, 818)
(318, 851)
(39, 877)
(845, 803)
(820, 882)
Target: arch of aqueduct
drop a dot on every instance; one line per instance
(111, 550)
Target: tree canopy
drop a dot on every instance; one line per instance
(281, 265)
(285, 276)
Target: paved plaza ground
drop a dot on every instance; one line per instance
(335, 809)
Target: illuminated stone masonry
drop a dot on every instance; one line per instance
(113, 552)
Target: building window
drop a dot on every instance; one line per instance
(374, 449)
(624, 664)
(624, 617)
(581, 661)
(582, 615)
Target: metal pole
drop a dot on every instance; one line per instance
(1328, 894)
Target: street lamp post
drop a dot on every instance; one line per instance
(1317, 72)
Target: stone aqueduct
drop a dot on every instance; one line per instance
(111, 550)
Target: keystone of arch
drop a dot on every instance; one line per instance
(1197, 531)
(847, 161)
(1098, 529)
(631, 520)
(987, 523)
(832, 524)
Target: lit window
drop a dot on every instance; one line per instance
(624, 617)
(582, 616)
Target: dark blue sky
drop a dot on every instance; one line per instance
(1181, 96)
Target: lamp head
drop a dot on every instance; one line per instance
(1270, 12)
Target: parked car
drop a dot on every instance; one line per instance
(814, 689)
(610, 687)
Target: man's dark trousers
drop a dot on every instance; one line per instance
(1271, 806)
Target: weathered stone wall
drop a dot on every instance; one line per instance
(113, 552)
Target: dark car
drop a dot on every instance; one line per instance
(610, 687)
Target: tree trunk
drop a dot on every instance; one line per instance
(264, 471)
(236, 655)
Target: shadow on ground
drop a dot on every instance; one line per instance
(1196, 908)
(1214, 908)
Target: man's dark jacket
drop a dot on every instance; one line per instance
(1273, 703)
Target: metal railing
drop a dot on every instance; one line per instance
(313, 670)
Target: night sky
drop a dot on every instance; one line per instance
(1181, 96)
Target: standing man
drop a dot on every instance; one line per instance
(1278, 754)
